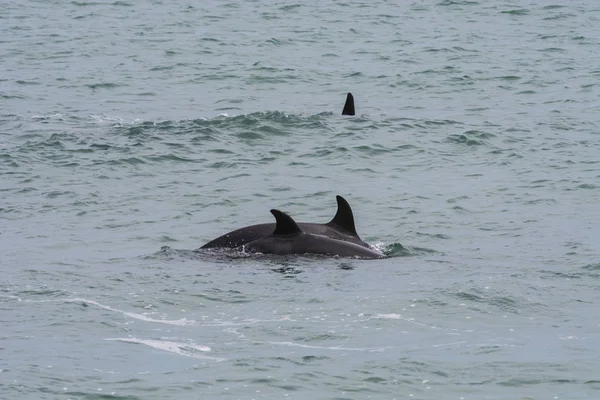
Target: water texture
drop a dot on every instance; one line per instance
(133, 132)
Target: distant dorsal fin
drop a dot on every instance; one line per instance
(349, 106)
(285, 225)
(344, 218)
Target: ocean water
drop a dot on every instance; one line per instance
(133, 132)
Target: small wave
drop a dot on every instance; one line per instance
(541, 201)
(290, 7)
(593, 270)
(56, 116)
(508, 78)
(373, 150)
(168, 157)
(459, 3)
(58, 193)
(559, 16)
(434, 235)
(508, 304)
(592, 267)
(26, 83)
(365, 349)
(162, 68)
(441, 122)
(129, 160)
(253, 126)
(12, 96)
(167, 253)
(520, 11)
(470, 138)
(393, 250)
(103, 85)
(552, 50)
(86, 3)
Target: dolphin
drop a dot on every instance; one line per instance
(341, 227)
(288, 238)
(349, 106)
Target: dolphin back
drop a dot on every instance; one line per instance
(240, 236)
(341, 227)
(349, 105)
(288, 238)
(306, 243)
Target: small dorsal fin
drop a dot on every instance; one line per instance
(349, 106)
(344, 218)
(285, 224)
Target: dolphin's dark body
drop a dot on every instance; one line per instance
(349, 106)
(288, 238)
(341, 227)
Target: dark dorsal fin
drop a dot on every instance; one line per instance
(349, 106)
(286, 225)
(344, 218)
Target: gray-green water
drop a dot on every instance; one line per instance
(133, 132)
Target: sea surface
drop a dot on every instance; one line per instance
(131, 133)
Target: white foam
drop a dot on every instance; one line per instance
(379, 246)
(10, 297)
(50, 116)
(449, 344)
(182, 349)
(389, 316)
(570, 338)
(400, 317)
(95, 118)
(141, 317)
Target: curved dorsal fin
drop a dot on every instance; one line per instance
(344, 218)
(349, 106)
(285, 225)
